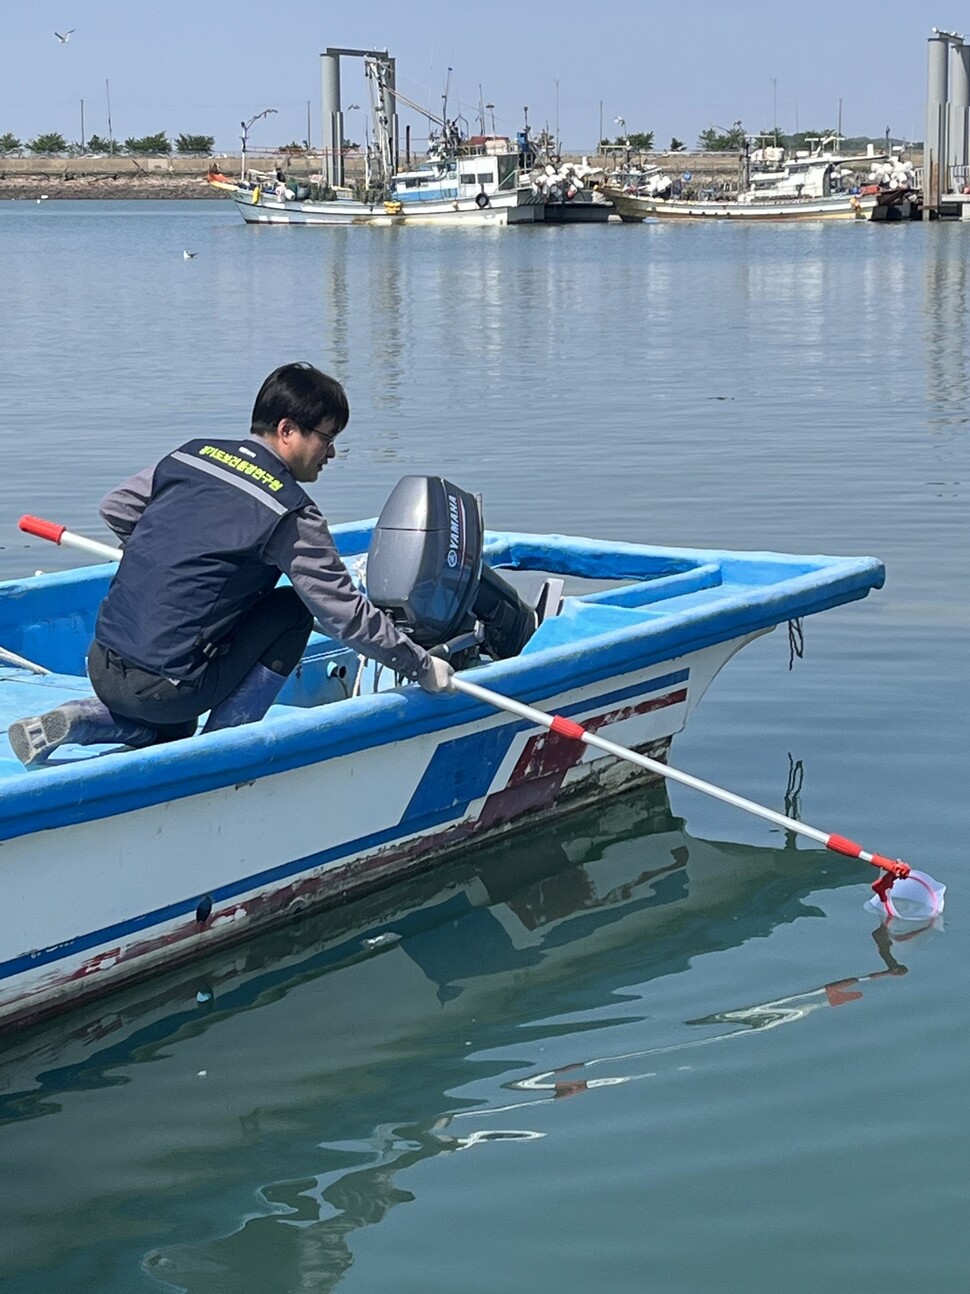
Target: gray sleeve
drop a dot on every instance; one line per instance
(121, 509)
(303, 548)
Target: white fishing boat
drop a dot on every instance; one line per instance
(263, 201)
(115, 864)
(772, 186)
(633, 208)
(462, 181)
(476, 183)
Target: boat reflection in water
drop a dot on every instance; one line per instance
(267, 1101)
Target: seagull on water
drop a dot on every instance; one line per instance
(188, 256)
(66, 37)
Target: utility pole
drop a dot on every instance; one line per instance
(82, 123)
(308, 125)
(111, 138)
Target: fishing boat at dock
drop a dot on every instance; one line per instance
(264, 200)
(821, 184)
(476, 184)
(115, 864)
(461, 181)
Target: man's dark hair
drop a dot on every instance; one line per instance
(302, 393)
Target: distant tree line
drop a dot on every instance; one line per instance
(714, 139)
(717, 139)
(159, 145)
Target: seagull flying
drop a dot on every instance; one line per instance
(66, 37)
(188, 256)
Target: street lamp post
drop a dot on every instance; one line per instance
(351, 107)
(244, 126)
(622, 139)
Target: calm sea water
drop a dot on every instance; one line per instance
(608, 1054)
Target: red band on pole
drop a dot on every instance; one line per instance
(42, 529)
(894, 866)
(566, 728)
(841, 845)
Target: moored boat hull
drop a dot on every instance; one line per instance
(520, 206)
(268, 209)
(633, 208)
(500, 210)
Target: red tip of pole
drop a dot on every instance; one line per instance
(894, 866)
(42, 529)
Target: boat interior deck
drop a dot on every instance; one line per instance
(662, 603)
(326, 673)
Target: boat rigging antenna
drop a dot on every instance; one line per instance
(444, 97)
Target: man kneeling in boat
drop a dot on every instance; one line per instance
(193, 620)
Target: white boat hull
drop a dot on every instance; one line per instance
(90, 906)
(501, 210)
(633, 208)
(267, 209)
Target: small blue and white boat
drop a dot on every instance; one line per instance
(117, 864)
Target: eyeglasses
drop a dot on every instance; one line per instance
(328, 437)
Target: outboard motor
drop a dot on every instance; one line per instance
(425, 571)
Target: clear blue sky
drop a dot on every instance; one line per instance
(197, 67)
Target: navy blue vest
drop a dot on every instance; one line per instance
(194, 563)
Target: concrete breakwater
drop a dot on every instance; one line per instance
(109, 177)
(33, 187)
(184, 177)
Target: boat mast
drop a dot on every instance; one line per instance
(380, 162)
(744, 164)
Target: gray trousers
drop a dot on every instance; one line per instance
(274, 633)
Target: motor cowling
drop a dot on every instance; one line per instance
(425, 570)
